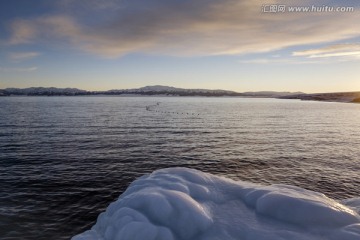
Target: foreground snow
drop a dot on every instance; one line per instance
(180, 203)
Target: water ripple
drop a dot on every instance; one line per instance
(64, 159)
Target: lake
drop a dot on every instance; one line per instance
(64, 159)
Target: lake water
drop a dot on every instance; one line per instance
(64, 159)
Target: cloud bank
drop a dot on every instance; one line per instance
(183, 28)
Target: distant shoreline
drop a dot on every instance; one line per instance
(344, 97)
(165, 91)
(156, 90)
(356, 101)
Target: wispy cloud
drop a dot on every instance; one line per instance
(286, 61)
(336, 50)
(20, 56)
(90, 4)
(13, 69)
(187, 28)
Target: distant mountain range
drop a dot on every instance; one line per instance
(40, 91)
(147, 91)
(172, 91)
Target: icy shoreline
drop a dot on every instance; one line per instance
(180, 203)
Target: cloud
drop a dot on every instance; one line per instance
(12, 69)
(336, 50)
(22, 32)
(279, 61)
(20, 56)
(70, 5)
(46, 28)
(185, 28)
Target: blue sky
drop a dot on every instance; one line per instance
(228, 44)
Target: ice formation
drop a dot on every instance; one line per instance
(186, 204)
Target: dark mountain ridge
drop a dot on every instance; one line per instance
(147, 91)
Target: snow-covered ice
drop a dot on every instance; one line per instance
(186, 204)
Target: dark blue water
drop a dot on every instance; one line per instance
(64, 159)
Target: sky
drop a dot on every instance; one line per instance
(252, 45)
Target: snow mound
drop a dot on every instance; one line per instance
(186, 204)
